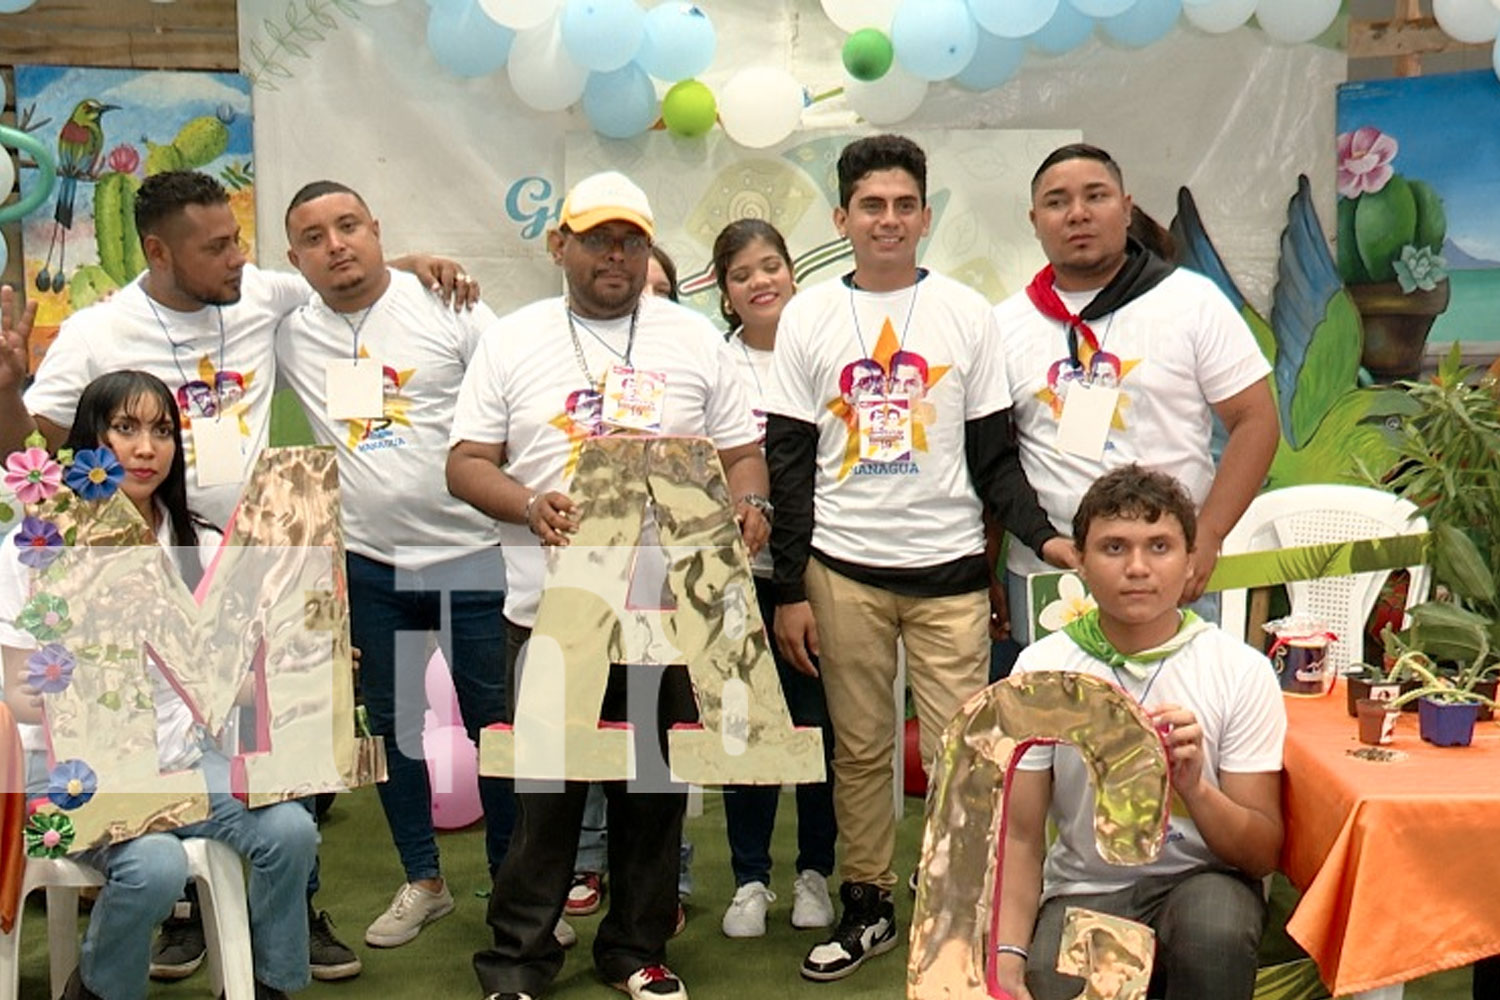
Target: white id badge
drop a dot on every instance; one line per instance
(355, 389)
(634, 398)
(217, 456)
(884, 428)
(1086, 417)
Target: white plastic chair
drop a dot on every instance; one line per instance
(1318, 514)
(213, 865)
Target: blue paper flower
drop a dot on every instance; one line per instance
(71, 784)
(50, 669)
(39, 541)
(94, 474)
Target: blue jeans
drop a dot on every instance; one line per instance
(390, 627)
(593, 843)
(750, 810)
(144, 877)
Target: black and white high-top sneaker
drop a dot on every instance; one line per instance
(867, 928)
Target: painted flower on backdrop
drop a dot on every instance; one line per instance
(94, 474)
(50, 669)
(1073, 602)
(124, 158)
(1391, 228)
(39, 541)
(71, 784)
(32, 475)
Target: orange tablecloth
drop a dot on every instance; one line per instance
(1399, 862)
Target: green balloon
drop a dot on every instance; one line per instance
(689, 109)
(868, 54)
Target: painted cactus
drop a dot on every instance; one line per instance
(1391, 228)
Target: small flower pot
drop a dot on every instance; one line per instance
(1489, 689)
(1377, 721)
(1357, 687)
(1410, 684)
(1447, 724)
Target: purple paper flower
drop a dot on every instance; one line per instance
(71, 784)
(39, 541)
(48, 835)
(94, 474)
(50, 669)
(32, 475)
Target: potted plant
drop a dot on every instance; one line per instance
(1390, 240)
(1448, 704)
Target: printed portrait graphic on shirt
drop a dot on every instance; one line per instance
(1099, 369)
(882, 402)
(367, 435)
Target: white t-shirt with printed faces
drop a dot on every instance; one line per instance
(392, 476)
(1233, 691)
(754, 366)
(176, 732)
(1172, 353)
(210, 367)
(837, 347)
(525, 389)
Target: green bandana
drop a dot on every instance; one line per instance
(1089, 634)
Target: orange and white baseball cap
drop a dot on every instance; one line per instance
(606, 197)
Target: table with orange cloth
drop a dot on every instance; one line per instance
(1399, 861)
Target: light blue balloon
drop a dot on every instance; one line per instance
(14, 6)
(465, 41)
(622, 103)
(934, 39)
(1067, 30)
(995, 61)
(679, 41)
(1148, 21)
(602, 35)
(1012, 18)
(1101, 8)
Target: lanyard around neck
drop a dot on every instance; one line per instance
(166, 332)
(583, 365)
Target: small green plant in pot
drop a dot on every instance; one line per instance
(1448, 700)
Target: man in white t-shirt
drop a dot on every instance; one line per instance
(203, 320)
(377, 361)
(1115, 356)
(887, 433)
(515, 440)
(1218, 706)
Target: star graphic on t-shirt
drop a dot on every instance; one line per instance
(394, 403)
(237, 407)
(887, 346)
(1106, 370)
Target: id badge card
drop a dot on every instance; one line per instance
(1087, 414)
(217, 456)
(634, 398)
(355, 389)
(884, 428)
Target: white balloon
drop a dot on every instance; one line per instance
(1101, 8)
(760, 106)
(520, 14)
(888, 100)
(542, 73)
(367, 3)
(1470, 21)
(1294, 21)
(851, 15)
(7, 172)
(1218, 16)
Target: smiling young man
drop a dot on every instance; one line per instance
(888, 433)
(515, 437)
(1115, 356)
(377, 361)
(1219, 707)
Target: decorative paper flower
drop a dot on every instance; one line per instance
(71, 784)
(1420, 268)
(45, 616)
(39, 541)
(1072, 602)
(94, 474)
(1365, 157)
(48, 835)
(32, 475)
(50, 669)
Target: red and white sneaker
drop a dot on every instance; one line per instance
(654, 982)
(584, 895)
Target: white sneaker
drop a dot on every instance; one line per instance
(413, 908)
(565, 934)
(746, 916)
(811, 906)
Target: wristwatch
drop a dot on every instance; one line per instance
(760, 503)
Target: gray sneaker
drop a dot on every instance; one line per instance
(180, 946)
(412, 909)
(328, 958)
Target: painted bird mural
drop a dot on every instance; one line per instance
(1333, 430)
(80, 153)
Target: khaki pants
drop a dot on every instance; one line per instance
(947, 660)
